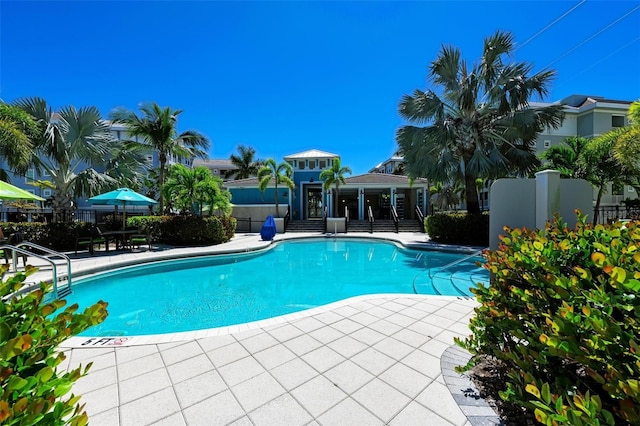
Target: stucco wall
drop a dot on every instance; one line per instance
(257, 213)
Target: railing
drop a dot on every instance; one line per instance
(245, 219)
(324, 218)
(394, 216)
(608, 214)
(419, 217)
(371, 219)
(287, 218)
(18, 249)
(346, 218)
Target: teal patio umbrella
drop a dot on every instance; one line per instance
(10, 192)
(122, 197)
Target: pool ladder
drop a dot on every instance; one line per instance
(58, 292)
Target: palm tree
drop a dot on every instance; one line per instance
(279, 174)
(567, 157)
(156, 127)
(627, 147)
(18, 130)
(126, 163)
(482, 125)
(190, 189)
(334, 176)
(67, 142)
(246, 165)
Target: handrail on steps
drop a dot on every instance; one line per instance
(371, 219)
(394, 216)
(346, 218)
(420, 217)
(18, 249)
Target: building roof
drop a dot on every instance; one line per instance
(312, 153)
(381, 179)
(215, 163)
(242, 183)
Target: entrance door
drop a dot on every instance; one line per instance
(314, 203)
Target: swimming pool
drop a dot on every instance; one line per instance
(214, 291)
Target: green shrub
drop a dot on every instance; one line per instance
(148, 222)
(195, 230)
(562, 313)
(59, 236)
(33, 392)
(458, 228)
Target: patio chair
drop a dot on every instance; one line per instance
(89, 240)
(13, 240)
(143, 237)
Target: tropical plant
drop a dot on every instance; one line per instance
(567, 158)
(156, 129)
(18, 130)
(562, 316)
(127, 163)
(482, 125)
(333, 177)
(280, 174)
(68, 146)
(191, 189)
(627, 146)
(245, 163)
(34, 390)
(444, 197)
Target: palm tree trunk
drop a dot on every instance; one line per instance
(276, 192)
(473, 207)
(596, 209)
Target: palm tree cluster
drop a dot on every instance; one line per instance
(279, 174)
(481, 123)
(76, 150)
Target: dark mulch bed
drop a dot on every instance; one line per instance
(488, 377)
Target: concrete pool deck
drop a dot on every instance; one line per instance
(379, 359)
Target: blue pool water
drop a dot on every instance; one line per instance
(215, 291)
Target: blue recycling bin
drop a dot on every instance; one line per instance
(268, 230)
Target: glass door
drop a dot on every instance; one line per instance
(314, 203)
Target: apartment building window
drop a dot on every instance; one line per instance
(301, 165)
(322, 164)
(30, 176)
(630, 189)
(617, 121)
(312, 164)
(547, 143)
(46, 193)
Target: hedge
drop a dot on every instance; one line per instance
(458, 228)
(562, 313)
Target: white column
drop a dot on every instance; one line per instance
(547, 196)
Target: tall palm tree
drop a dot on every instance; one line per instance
(156, 127)
(280, 174)
(482, 124)
(333, 177)
(245, 162)
(18, 130)
(69, 144)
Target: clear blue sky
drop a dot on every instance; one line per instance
(285, 77)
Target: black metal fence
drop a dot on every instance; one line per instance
(609, 214)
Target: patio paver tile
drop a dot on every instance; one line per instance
(106, 418)
(381, 399)
(302, 344)
(293, 373)
(142, 385)
(323, 358)
(258, 342)
(368, 336)
(285, 332)
(437, 398)
(318, 395)
(393, 348)
(347, 346)
(96, 380)
(139, 366)
(134, 352)
(219, 409)
(209, 344)
(406, 380)
(416, 414)
(423, 363)
(180, 353)
(348, 412)
(373, 361)
(227, 354)
(257, 391)
(173, 420)
(274, 356)
(284, 410)
(199, 388)
(348, 376)
(102, 400)
(149, 409)
(326, 334)
(241, 370)
(188, 368)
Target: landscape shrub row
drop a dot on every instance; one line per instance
(562, 313)
(458, 228)
(174, 230)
